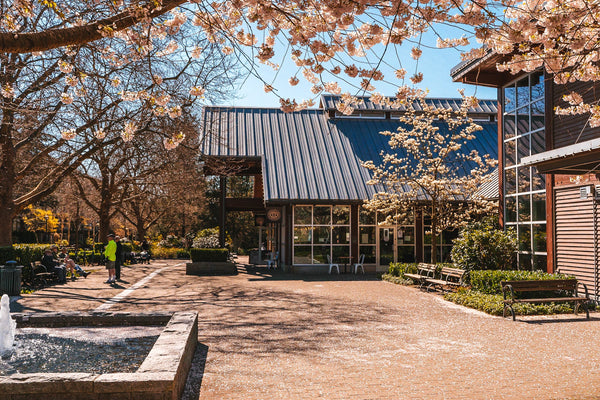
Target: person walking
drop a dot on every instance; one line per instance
(110, 252)
(119, 258)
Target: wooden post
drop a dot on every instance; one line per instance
(223, 184)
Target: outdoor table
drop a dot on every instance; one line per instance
(348, 261)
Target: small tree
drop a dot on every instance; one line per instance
(483, 245)
(37, 219)
(428, 169)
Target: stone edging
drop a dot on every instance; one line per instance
(162, 375)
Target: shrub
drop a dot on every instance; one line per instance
(168, 252)
(210, 255)
(207, 239)
(25, 254)
(183, 254)
(396, 279)
(127, 247)
(492, 304)
(483, 245)
(399, 269)
(7, 253)
(488, 282)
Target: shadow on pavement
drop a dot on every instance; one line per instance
(193, 383)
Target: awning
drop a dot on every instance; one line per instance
(579, 158)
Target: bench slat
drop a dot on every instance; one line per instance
(546, 300)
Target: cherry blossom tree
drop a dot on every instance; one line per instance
(428, 170)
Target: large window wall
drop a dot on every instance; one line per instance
(320, 231)
(524, 187)
(401, 236)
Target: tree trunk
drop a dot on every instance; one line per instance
(434, 235)
(7, 178)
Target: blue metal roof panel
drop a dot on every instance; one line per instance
(307, 156)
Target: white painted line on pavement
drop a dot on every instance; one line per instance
(109, 303)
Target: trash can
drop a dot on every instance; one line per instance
(10, 279)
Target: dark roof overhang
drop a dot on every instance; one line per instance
(576, 159)
(231, 165)
(482, 71)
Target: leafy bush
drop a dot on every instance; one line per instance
(399, 269)
(7, 253)
(25, 254)
(488, 282)
(210, 255)
(168, 252)
(171, 241)
(396, 279)
(207, 239)
(127, 247)
(492, 304)
(483, 245)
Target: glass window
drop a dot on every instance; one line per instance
(406, 254)
(340, 235)
(341, 254)
(523, 92)
(524, 208)
(370, 254)
(538, 181)
(524, 179)
(322, 235)
(366, 217)
(510, 209)
(303, 215)
(537, 85)
(406, 235)
(522, 147)
(509, 126)
(525, 261)
(524, 234)
(367, 235)
(539, 237)
(302, 255)
(537, 115)
(320, 254)
(302, 235)
(510, 153)
(510, 99)
(510, 180)
(523, 120)
(540, 263)
(322, 215)
(538, 142)
(341, 215)
(538, 206)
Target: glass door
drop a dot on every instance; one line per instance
(386, 246)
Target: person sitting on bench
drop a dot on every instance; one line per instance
(70, 264)
(52, 265)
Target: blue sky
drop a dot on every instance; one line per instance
(435, 64)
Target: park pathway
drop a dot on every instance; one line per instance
(276, 336)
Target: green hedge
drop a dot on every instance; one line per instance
(492, 304)
(169, 252)
(210, 255)
(488, 281)
(399, 269)
(7, 253)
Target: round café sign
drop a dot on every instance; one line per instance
(274, 214)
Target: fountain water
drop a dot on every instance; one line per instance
(7, 326)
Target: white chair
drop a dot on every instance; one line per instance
(359, 264)
(331, 265)
(272, 261)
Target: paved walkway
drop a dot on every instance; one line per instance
(267, 336)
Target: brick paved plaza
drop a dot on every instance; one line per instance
(276, 336)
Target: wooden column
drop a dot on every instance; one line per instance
(223, 219)
(354, 250)
(550, 214)
(500, 159)
(419, 234)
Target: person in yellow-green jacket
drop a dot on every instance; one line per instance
(110, 252)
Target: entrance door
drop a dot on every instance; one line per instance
(386, 246)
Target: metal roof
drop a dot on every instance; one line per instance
(329, 102)
(490, 190)
(307, 156)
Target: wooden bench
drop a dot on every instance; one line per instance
(450, 278)
(41, 276)
(552, 285)
(424, 271)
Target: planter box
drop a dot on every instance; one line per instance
(210, 268)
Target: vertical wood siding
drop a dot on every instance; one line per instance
(575, 245)
(574, 129)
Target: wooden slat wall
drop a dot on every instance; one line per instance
(572, 129)
(575, 235)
